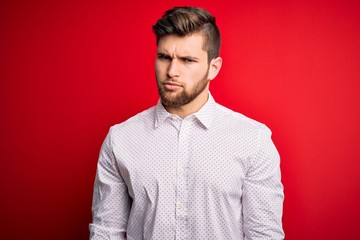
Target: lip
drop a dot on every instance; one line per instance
(171, 86)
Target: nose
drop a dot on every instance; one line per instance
(173, 69)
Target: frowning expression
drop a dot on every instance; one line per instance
(181, 69)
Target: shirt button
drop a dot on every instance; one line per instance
(180, 205)
(181, 171)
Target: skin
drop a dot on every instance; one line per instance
(183, 73)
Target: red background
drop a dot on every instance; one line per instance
(71, 69)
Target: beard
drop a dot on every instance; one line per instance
(185, 96)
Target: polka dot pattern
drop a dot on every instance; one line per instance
(212, 175)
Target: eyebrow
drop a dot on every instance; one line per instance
(162, 54)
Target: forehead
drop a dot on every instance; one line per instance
(188, 45)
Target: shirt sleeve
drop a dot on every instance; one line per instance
(263, 194)
(111, 201)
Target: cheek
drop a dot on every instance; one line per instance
(160, 68)
(157, 69)
(197, 74)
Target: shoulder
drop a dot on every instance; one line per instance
(144, 119)
(255, 136)
(238, 120)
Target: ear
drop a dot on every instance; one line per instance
(214, 68)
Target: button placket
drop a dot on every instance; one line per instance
(182, 180)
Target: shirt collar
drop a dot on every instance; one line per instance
(205, 115)
(160, 114)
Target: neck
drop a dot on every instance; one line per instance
(191, 107)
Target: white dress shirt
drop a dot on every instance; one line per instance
(212, 175)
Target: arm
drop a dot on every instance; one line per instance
(111, 202)
(263, 192)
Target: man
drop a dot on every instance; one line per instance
(187, 168)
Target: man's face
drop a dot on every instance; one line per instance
(181, 69)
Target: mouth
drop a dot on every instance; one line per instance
(170, 86)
